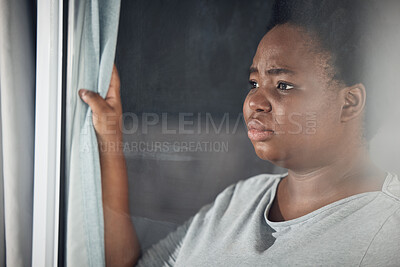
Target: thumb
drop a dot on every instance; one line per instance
(94, 100)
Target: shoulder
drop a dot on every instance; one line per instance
(391, 186)
(252, 186)
(243, 195)
(258, 184)
(385, 245)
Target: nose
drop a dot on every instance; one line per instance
(259, 103)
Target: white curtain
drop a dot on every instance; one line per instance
(17, 83)
(92, 41)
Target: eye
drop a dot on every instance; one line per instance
(284, 86)
(253, 84)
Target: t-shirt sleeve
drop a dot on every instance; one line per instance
(165, 252)
(384, 249)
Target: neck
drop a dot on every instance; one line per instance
(348, 175)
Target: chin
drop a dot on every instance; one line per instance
(269, 153)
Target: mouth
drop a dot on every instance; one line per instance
(256, 131)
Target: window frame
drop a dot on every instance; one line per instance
(48, 191)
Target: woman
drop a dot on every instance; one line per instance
(307, 111)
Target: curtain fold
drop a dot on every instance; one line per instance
(17, 83)
(92, 38)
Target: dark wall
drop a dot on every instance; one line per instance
(187, 56)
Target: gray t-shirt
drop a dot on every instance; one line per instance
(360, 230)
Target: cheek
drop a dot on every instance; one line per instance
(307, 117)
(292, 116)
(246, 109)
(318, 122)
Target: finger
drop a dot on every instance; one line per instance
(113, 93)
(94, 100)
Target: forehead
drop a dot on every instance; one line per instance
(290, 47)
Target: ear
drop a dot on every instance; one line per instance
(354, 98)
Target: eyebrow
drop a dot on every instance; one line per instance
(253, 70)
(273, 71)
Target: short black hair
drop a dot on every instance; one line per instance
(343, 28)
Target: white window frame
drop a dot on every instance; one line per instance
(48, 118)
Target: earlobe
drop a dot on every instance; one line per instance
(354, 102)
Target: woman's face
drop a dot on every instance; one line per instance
(293, 109)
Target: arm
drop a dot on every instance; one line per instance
(121, 242)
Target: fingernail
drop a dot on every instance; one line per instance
(82, 93)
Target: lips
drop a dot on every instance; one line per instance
(257, 131)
